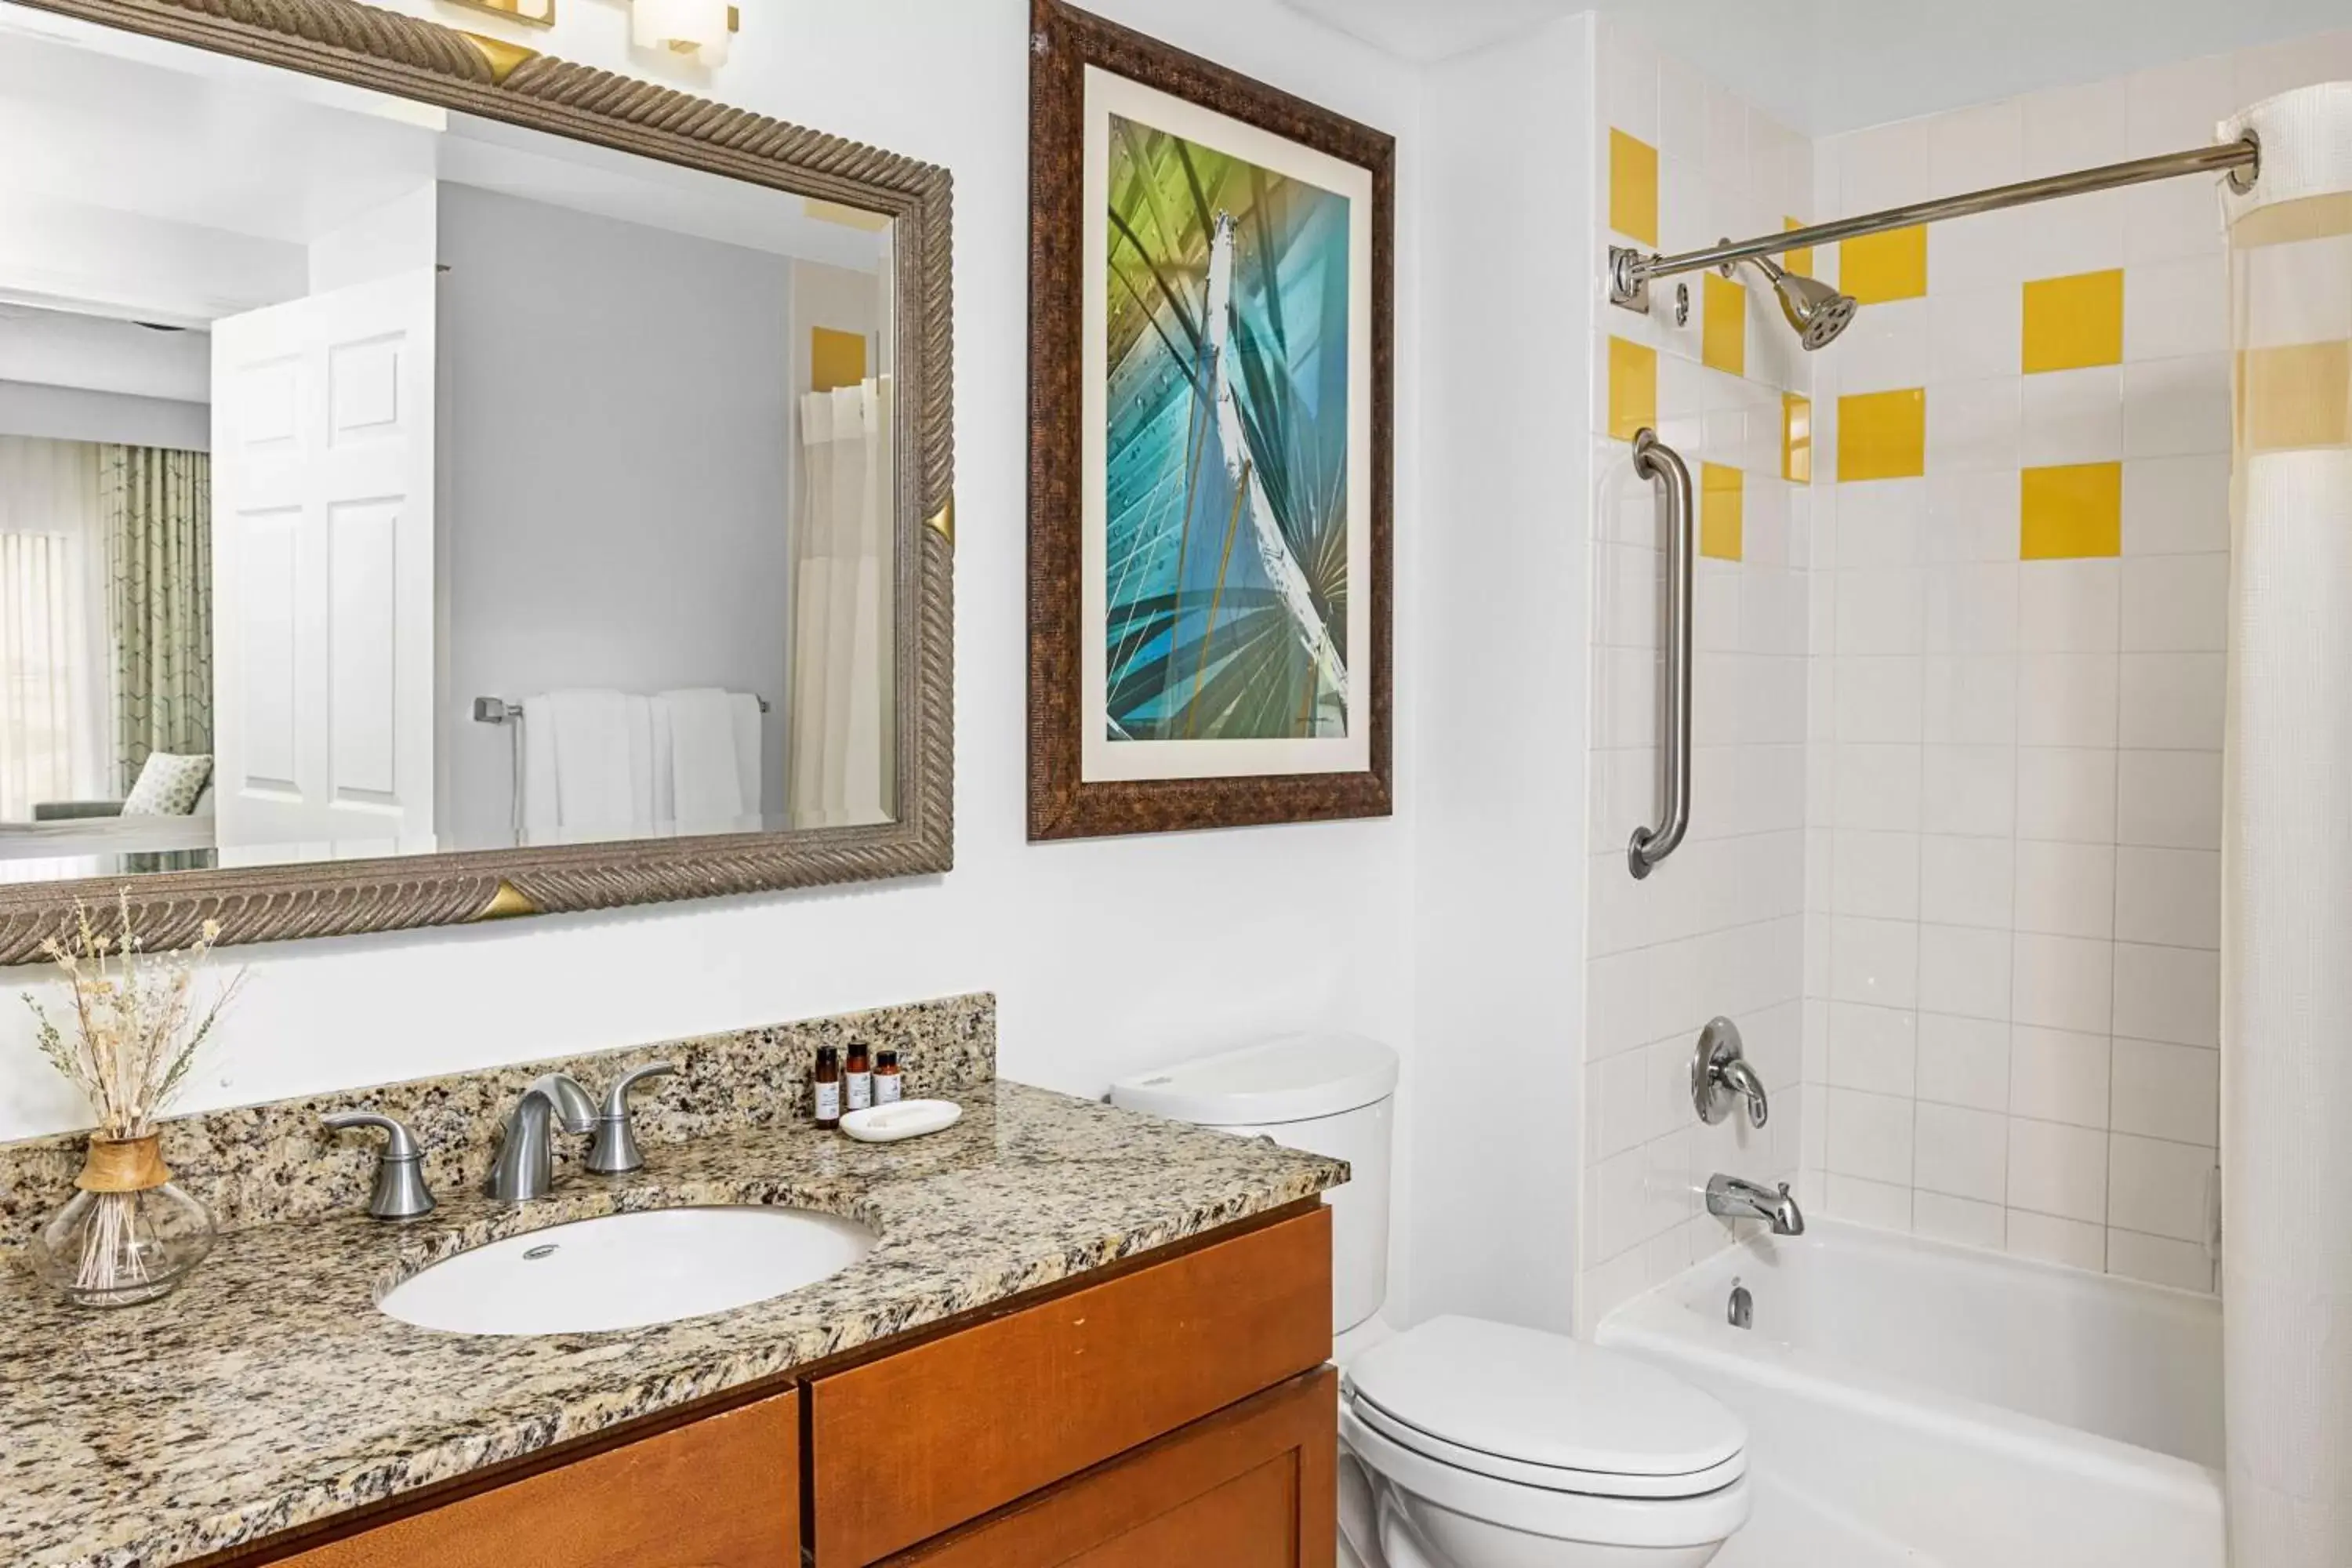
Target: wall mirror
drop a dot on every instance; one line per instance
(438, 481)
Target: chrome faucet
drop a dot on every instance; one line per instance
(526, 1163)
(1732, 1198)
(616, 1150)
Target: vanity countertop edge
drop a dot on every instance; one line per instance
(270, 1394)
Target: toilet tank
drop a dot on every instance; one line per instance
(1325, 1093)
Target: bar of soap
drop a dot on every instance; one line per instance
(908, 1118)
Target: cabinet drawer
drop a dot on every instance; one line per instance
(722, 1492)
(915, 1443)
(1251, 1486)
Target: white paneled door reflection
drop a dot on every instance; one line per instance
(324, 573)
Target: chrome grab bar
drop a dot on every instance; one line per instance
(1657, 462)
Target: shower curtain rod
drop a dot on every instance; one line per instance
(1631, 271)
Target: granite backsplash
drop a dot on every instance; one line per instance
(263, 1163)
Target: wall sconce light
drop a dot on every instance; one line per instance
(537, 13)
(703, 28)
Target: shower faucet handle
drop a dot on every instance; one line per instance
(1720, 1073)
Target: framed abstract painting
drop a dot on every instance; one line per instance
(1212, 275)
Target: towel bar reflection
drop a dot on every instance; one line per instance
(1657, 462)
(499, 711)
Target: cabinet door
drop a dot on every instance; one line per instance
(723, 1493)
(1252, 1486)
(918, 1441)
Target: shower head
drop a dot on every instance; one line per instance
(1816, 310)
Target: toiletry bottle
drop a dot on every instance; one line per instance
(859, 1082)
(828, 1087)
(890, 1084)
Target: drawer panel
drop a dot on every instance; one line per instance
(722, 1492)
(1251, 1486)
(914, 1444)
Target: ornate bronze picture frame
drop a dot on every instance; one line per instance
(1211, 354)
(343, 41)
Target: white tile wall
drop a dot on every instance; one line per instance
(1967, 807)
(1720, 928)
(2015, 788)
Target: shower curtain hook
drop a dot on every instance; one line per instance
(2242, 180)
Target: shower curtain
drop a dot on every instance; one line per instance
(55, 739)
(159, 561)
(840, 744)
(2286, 1032)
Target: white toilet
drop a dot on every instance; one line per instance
(1463, 1443)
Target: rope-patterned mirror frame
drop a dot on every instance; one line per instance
(359, 45)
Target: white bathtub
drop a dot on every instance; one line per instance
(1910, 1403)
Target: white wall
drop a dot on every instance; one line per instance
(1107, 956)
(401, 236)
(66, 376)
(613, 486)
(158, 270)
(77, 414)
(1498, 904)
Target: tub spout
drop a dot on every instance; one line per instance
(1733, 1198)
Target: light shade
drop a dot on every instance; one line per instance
(703, 28)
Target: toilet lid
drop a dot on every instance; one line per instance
(1544, 1410)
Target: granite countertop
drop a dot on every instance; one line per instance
(269, 1392)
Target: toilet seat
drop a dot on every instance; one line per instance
(1660, 1524)
(1549, 1478)
(1540, 1411)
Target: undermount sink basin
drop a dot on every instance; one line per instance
(627, 1271)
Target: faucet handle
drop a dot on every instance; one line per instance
(1719, 1071)
(617, 1148)
(400, 1192)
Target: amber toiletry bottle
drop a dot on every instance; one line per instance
(890, 1084)
(859, 1080)
(828, 1087)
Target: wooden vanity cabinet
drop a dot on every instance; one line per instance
(1177, 1410)
(1252, 1486)
(719, 1492)
(915, 1443)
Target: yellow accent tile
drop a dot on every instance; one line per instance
(2297, 396)
(1796, 439)
(1877, 268)
(1632, 187)
(2072, 323)
(836, 359)
(2071, 512)
(1799, 262)
(1882, 435)
(1723, 341)
(1722, 495)
(1633, 388)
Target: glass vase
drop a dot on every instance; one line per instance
(129, 1236)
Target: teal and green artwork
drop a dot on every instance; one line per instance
(1226, 462)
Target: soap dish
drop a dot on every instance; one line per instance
(908, 1118)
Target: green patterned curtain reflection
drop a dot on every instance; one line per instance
(158, 557)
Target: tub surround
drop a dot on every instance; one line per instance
(271, 1393)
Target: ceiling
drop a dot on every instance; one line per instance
(102, 125)
(1825, 66)
(96, 353)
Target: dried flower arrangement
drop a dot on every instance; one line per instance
(135, 1033)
